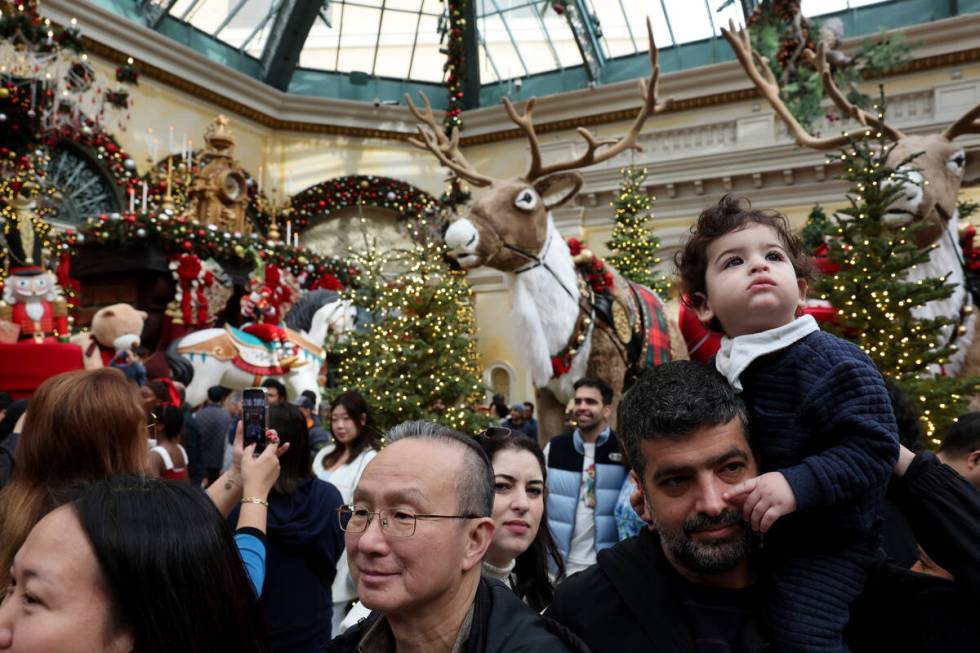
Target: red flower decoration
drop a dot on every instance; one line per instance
(327, 282)
(188, 267)
(560, 365)
(574, 246)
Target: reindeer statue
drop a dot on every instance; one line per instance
(936, 176)
(568, 326)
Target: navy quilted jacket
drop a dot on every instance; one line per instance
(819, 413)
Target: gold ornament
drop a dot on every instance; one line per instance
(4, 93)
(218, 193)
(621, 321)
(968, 309)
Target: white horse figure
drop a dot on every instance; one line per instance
(234, 359)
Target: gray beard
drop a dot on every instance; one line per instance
(712, 557)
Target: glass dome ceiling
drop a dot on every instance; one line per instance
(403, 40)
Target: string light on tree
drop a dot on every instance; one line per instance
(633, 245)
(865, 265)
(418, 358)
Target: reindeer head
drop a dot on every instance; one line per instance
(507, 225)
(940, 168)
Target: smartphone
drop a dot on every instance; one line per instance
(255, 416)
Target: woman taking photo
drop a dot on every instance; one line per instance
(522, 549)
(341, 464)
(130, 564)
(79, 426)
(303, 542)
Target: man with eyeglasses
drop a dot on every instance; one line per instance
(416, 534)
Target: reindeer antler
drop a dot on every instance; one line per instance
(859, 114)
(968, 124)
(757, 68)
(445, 148)
(648, 91)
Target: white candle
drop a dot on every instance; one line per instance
(132, 200)
(289, 231)
(296, 240)
(170, 141)
(145, 190)
(259, 187)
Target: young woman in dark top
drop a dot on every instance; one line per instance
(303, 542)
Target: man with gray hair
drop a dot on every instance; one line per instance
(416, 535)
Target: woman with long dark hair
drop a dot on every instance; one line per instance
(355, 441)
(522, 550)
(131, 564)
(303, 543)
(355, 444)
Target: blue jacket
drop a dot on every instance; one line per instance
(566, 455)
(303, 544)
(819, 413)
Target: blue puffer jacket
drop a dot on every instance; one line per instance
(566, 454)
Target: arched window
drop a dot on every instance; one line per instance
(500, 378)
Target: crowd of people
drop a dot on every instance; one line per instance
(778, 499)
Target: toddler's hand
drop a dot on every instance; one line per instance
(769, 498)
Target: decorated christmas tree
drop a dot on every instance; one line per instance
(418, 358)
(876, 302)
(633, 244)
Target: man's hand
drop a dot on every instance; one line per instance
(769, 498)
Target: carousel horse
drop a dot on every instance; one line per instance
(234, 359)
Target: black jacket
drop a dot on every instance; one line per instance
(629, 600)
(502, 623)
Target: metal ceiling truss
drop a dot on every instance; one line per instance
(287, 36)
(584, 28)
(154, 11)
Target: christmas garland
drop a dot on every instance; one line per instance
(455, 73)
(179, 235)
(455, 66)
(333, 195)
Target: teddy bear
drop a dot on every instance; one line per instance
(115, 331)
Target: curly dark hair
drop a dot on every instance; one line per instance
(732, 213)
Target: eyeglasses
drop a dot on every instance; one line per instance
(396, 523)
